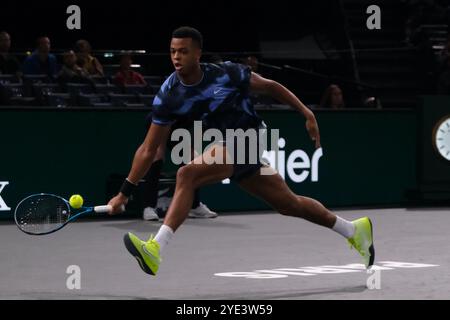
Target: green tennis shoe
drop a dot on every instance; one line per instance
(362, 240)
(146, 253)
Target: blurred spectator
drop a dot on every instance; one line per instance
(71, 72)
(126, 76)
(8, 63)
(85, 60)
(332, 98)
(41, 61)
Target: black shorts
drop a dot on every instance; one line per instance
(243, 171)
(250, 161)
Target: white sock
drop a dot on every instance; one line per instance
(163, 236)
(344, 227)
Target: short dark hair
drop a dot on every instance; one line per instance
(189, 32)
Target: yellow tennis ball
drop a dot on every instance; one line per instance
(76, 201)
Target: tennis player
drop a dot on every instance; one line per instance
(218, 94)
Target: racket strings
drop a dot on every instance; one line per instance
(40, 214)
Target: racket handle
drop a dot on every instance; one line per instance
(102, 209)
(106, 209)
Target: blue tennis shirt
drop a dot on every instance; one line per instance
(220, 99)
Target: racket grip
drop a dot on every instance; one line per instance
(102, 209)
(106, 209)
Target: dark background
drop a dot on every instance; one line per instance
(328, 39)
(226, 25)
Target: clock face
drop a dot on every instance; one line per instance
(442, 138)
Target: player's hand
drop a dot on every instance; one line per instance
(117, 203)
(313, 129)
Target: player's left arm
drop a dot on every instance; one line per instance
(280, 93)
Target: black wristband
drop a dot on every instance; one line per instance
(127, 188)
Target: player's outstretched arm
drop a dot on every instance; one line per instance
(146, 152)
(280, 93)
(142, 161)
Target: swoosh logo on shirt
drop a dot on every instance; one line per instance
(216, 91)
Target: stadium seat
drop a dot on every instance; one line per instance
(36, 78)
(137, 89)
(100, 79)
(154, 80)
(146, 99)
(14, 94)
(110, 69)
(75, 89)
(9, 78)
(30, 79)
(107, 89)
(102, 104)
(88, 100)
(41, 91)
(120, 100)
(58, 99)
(134, 105)
(154, 88)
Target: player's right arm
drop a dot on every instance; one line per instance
(145, 154)
(143, 158)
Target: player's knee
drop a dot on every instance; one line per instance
(186, 175)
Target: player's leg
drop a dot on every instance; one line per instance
(201, 171)
(199, 210)
(151, 178)
(151, 184)
(274, 190)
(197, 173)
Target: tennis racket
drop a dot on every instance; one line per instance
(44, 213)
